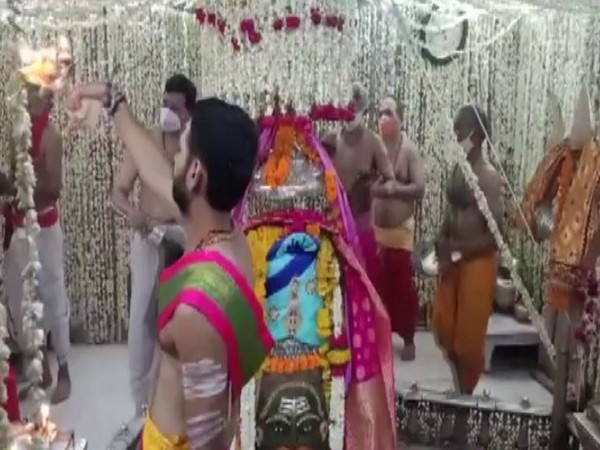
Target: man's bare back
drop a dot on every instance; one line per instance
(391, 212)
(48, 168)
(360, 158)
(167, 402)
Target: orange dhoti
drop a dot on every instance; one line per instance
(462, 307)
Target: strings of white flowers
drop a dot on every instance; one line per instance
(504, 249)
(588, 7)
(337, 400)
(248, 415)
(32, 308)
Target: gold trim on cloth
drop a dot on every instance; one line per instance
(401, 237)
(538, 186)
(577, 223)
(154, 439)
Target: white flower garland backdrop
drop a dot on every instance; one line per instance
(508, 66)
(139, 56)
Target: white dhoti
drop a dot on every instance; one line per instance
(51, 286)
(142, 341)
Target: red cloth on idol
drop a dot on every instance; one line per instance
(12, 403)
(397, 290)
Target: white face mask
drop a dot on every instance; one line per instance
(466, 144)
(169, 121)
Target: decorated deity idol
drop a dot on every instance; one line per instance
(561, 204)
(328, 383)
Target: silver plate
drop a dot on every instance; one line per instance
(421, 258)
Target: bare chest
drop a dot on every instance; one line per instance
(400, 164)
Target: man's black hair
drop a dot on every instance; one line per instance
(180, 84)
(477, 118)
(225, 139)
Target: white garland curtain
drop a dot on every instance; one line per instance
(510, 78)
(139, 58)
(509, 64)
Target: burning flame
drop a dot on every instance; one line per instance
(47, 67)
(44, 412)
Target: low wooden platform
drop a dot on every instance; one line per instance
(504, 330)
(507, 383)
(506, 394)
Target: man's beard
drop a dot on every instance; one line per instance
(180, 195)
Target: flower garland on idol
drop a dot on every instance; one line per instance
(333, 356)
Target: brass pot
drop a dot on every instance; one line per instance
(506, 294)
(543, 221)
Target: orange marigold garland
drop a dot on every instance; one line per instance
(277, 167)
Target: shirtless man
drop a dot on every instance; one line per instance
(394, 226)
(467, 256)
(46, 153)
(360, 159)
(178, 101)
(212, 333)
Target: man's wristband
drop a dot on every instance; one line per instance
(118, 100)
(108, 96)
(112, 100)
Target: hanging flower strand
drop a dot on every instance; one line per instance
(506, 255)
(25, 181)
(46, 68)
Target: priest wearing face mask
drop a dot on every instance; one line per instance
(361, 162)
(467, 256)
(395, 225)
(151, 222)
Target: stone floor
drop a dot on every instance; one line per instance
(509, 380)
(100, 400)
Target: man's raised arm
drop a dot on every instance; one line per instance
(151, 166)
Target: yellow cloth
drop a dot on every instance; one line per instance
(401, 237)
(153, 439)
(461, 310)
